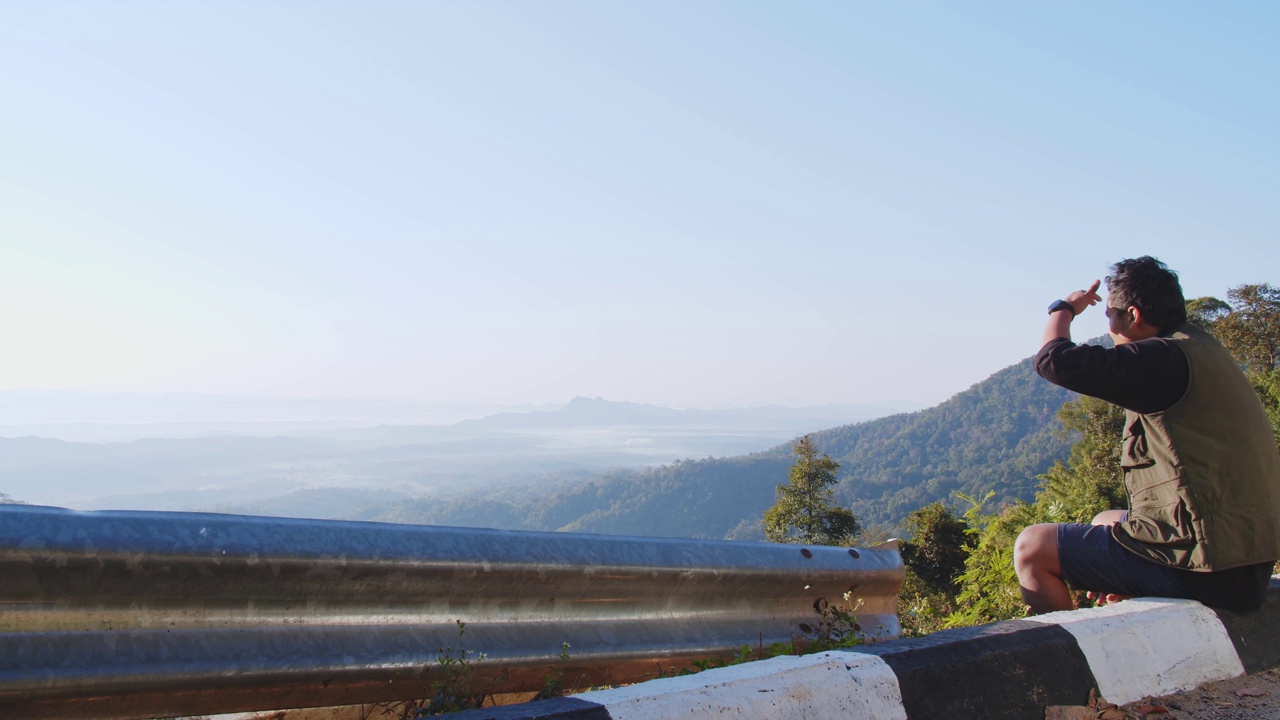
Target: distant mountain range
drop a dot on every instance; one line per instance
(995, 436)
(245, 466)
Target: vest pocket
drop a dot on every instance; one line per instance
(1133, 448)
(1162, 514)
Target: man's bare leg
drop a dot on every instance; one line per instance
(1035, 559)
(1109, 517)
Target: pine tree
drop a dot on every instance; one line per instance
(805, 511)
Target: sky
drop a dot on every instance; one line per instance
(689, 204)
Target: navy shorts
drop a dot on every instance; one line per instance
(1091, 559)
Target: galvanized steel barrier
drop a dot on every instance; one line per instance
(149, 614)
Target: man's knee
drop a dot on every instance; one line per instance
(1037, 546)
(1109, 517)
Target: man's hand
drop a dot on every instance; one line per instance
(1081, 299)
(1100, 599)
(1060, 322)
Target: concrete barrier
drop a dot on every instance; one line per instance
(1004, 671)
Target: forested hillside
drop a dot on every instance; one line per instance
(997, 435)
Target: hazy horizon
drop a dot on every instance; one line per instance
(225, 465)
(42, 407)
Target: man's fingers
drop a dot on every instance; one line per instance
(1081, 299)
(1101, 599)
(1094, 297)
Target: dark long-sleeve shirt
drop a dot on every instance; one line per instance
(1146, 376)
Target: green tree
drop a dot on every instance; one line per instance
(989, 586)
(938, 547)
(934, 557)
(805, 511)
(1251, 331)
(1205, 311)
(1092, 480)
(1267, 385)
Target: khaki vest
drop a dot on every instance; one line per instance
(1203, 477)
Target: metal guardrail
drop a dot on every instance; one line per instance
(150, 614)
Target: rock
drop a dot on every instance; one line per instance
(1251, 692)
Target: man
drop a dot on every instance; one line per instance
(1201, 468)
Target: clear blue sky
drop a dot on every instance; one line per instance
(691, 204)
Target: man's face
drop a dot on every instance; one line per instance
(1119, 321)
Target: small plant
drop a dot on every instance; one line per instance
(837, 627)
(921, 609)
(553, 681)
(453, 690)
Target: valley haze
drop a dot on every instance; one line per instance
(207, 453)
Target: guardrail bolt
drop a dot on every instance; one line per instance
(806, 552)
(854, 553)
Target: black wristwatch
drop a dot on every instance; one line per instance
(1062, 305)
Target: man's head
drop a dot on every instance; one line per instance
(1144, 300)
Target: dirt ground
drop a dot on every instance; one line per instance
(1251, 697)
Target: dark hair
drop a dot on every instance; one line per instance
(1147, 284)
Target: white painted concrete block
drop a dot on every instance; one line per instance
(1150, 646)
(819, 686)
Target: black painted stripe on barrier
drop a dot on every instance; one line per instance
(1255, 634)
(1004, 671)
(567, 708)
